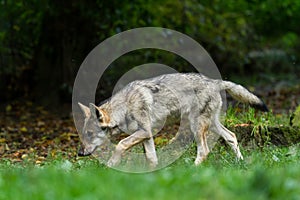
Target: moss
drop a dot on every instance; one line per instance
(292, 134)
(296, 117)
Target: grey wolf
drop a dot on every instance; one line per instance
(140, 105)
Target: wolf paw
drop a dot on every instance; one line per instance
(113, 161)
(199, 160)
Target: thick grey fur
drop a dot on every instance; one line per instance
(142, 104)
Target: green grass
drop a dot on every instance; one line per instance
(269, 174)
(251, 116)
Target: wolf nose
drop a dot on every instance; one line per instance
(81, 152)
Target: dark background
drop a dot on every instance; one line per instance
(44, 42)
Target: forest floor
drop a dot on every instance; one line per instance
(29, 132)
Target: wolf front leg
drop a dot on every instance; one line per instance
(126, 143)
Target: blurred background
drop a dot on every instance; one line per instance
(43, 43)
(255, 43)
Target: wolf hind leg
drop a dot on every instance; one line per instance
(228, 136)
(200, 128)
(150, 151)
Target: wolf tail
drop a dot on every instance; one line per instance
(241, 94)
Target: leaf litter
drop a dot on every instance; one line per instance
(31, 133)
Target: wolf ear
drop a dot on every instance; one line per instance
(95, 111)
(100, 114)
(86, 111)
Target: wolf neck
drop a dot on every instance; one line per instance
(113, 113)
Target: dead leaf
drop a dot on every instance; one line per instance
(241, 125)
(23, 129)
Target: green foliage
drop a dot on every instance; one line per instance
(249, 115)
(19, 32)
(275, 18)
(53, 37)
(296, 117)
(263, 126)
(20, 29)
(224, 28)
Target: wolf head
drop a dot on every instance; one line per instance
(95, 128)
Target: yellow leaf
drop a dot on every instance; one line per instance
(24, 156)
(23, 129)
(8, 108)
(38, 162)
